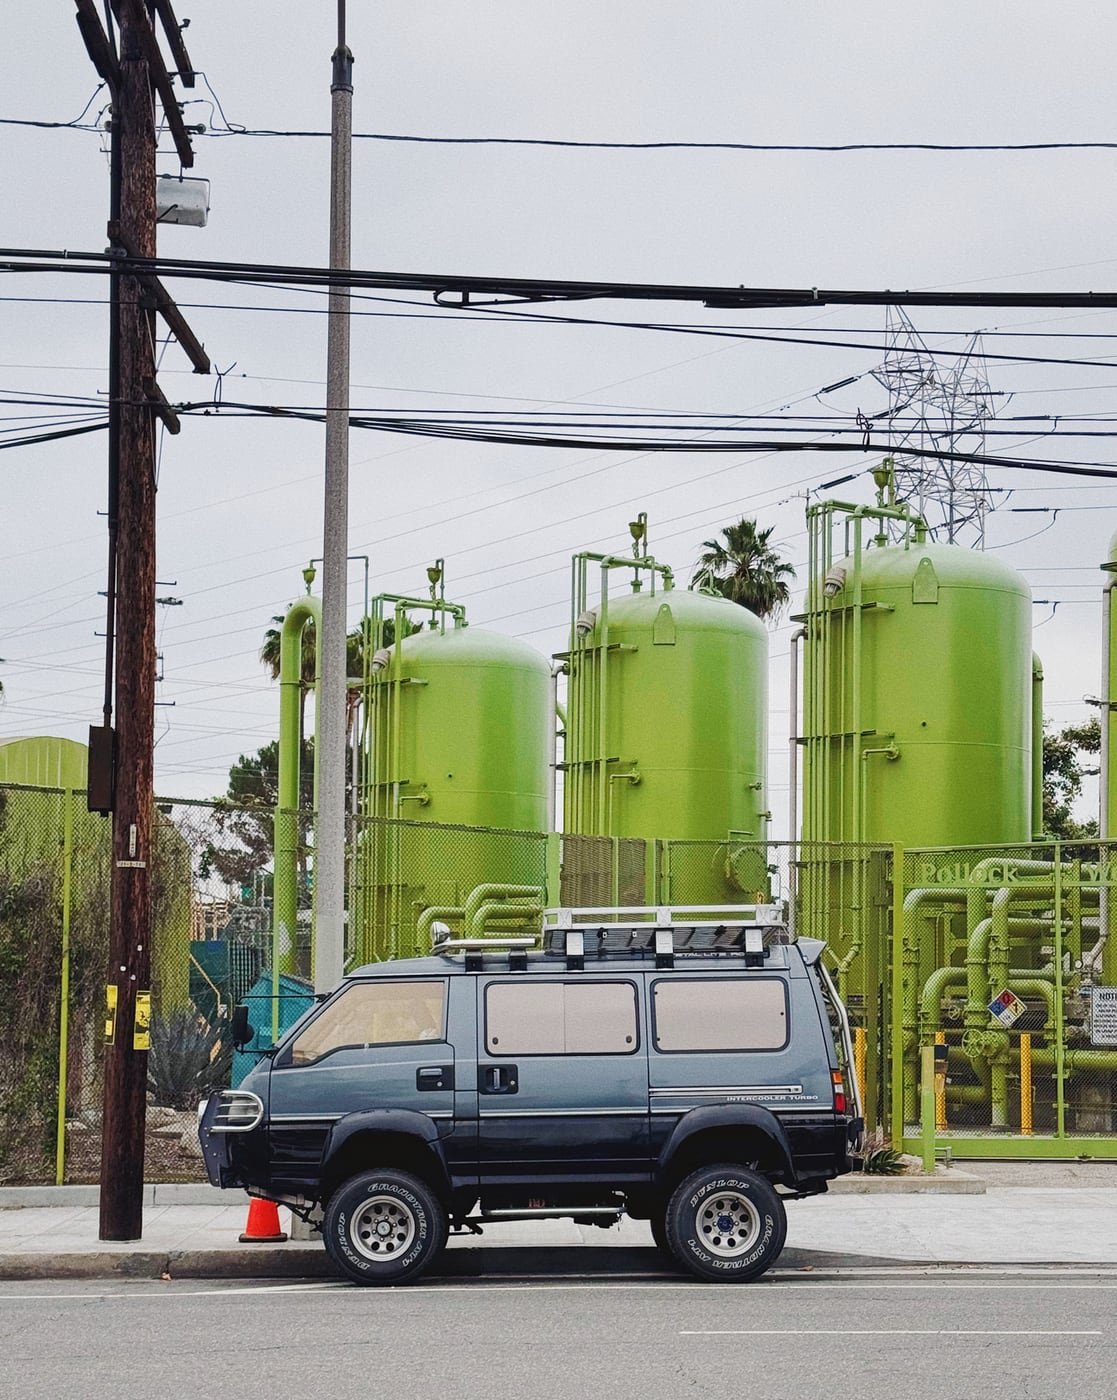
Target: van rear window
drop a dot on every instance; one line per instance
(718, 1013)
(560, 1018)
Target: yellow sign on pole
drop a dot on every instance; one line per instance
(141, 1036)
(110, 1013)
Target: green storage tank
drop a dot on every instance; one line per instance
(460, 733)
(462, 730)
(666, 735)
(918, 698)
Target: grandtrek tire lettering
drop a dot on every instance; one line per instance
(384, 1227)
(726, 1222)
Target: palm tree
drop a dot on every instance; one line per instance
(354, 661)
(745, 569)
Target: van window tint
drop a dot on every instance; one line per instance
(712, 1013)
(560, 1018)
(374, 1013)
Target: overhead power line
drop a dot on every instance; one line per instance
(510, 290)
(569, 143)
(513, 435)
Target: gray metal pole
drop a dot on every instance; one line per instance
(329, 873)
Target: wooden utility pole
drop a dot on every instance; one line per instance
(122, 1147)
(135, 72)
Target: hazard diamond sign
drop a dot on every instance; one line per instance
(1008, 1008)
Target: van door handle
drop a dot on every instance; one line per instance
(429, 1078)
(497, 1079)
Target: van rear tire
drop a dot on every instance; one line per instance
(726, 1224)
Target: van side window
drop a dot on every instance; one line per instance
(712, 1013)
(560, 1018)
(374, 1013)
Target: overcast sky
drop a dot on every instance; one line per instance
(240, 498)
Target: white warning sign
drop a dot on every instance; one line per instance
(1103, 1016)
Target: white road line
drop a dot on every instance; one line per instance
(886, 1332)
(146, 1290)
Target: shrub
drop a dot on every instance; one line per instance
(189, 1059)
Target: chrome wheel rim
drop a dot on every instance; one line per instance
(382, 1228)
(728, 1224)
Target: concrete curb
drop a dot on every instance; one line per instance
(953, 1183)
(299, 1261)
(168, 1193)
(507, 1263)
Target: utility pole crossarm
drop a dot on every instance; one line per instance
(173, 31)
(160, 77)
(154, 395)
(165, 305)
(97, 43)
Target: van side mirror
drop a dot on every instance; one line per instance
(242, 1033)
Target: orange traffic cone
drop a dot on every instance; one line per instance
(262, 1226)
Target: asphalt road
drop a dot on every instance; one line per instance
(941, 1334)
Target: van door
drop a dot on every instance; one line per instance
(378, 1044)
(562, 1079)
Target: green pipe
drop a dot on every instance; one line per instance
(484, 894)
(305, 611)
(1025, 980)
(1060, 1026)
(1076, 1061)
(976, 956)
(1037, 748)
(502, 911)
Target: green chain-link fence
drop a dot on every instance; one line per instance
(927, 957)
(1009, 963)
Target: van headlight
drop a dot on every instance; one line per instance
(238, 1111)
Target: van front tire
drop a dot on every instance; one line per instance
(384, 1227)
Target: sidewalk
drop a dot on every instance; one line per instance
(972, 1217)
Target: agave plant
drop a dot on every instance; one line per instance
(189, 1059)
(883, 1161)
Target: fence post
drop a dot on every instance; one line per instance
(64, 990)
(896, 1016)
(553, 867)
(1060, 1029)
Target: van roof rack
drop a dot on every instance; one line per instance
(516, 946)
(686, 930)
(735, 930)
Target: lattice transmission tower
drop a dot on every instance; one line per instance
(938, 407)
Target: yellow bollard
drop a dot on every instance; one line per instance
(927, 1106)
(940, 1090)
(1025, 1084)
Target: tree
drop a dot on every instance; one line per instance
(245, 816)
(1065, 754)
(354, 661)
(746, 569)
